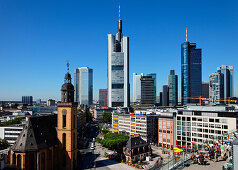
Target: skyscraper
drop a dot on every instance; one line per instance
(173, 88)
(118, 68)
(83, 82)
(103, 97)
(147, 90)
(228, 80)
(137, 87)
(205, 89)
(216, 88)
(165, 96)
(153, 75)
(27, 99)
(191, 72)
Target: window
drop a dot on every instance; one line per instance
(64, 141)
(19, 161)
(117, 67)
(64, 113)
(117, 86)
(43, 161)
(64, 160)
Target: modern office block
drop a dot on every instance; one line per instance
(153, 75)
(173, 88)
(27, 99)
(147, 90)
(165, 96)
(103, 97)
(191, 72)
(216, 88)
(145, 125)
(137, 87)
(227, 71)
(118, 69)
(205, 89)
(83, 83)
(199, 125)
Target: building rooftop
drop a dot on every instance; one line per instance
(135, 142)
(38, 133)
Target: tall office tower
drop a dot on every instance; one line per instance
(165, 96)
(173, 88)
(216, 88)
(228, 80)
(27, 99)
(83, 82)
(205, 89)
(160, 98)
(103, 97)
(137, 87)
(118, 68)
(154, 77)
(147, 90)
(191, 72)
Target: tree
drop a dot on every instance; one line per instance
(107, 117)
(11, 122)
(3, 144)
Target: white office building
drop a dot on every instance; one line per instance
(137, 87)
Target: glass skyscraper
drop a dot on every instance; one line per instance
(173, 88)
(83, 83)
(147, 90)
(137, 87)
(118, 69)
(153, 75)
(227, 71)
(191, 73)
(216, 88)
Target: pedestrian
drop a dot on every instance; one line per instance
(229, 149)
(222, 151)
(216, 152)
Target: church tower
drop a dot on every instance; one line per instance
(67, 125)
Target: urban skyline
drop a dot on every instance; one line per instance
(44, 79)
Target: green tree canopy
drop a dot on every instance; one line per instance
(107, 117)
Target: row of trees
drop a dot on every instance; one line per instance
(113, 141)
(11, 122)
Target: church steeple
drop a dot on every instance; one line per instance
(67, 89)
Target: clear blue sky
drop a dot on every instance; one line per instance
(38, 37)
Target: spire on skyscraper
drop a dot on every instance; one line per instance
(119, 22)
(186, 34)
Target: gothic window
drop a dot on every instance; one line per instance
(43, 161)
(64, 113)
(19, 161)
(64, 159)
(64, 140)
(32, 161)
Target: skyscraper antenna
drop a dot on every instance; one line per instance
(68, 65)
(119, 12)
(186, 34)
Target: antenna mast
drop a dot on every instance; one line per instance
(186, 34)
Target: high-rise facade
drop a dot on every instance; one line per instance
(205, 90)
(27, 99)
(103, 97)
(83, 82)
(118, 69)
(165, 96)
(191, 72)
(137, 87)
(153, 75)
(147, 90)
(173, 88)
(216, 88)
(227, 71)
